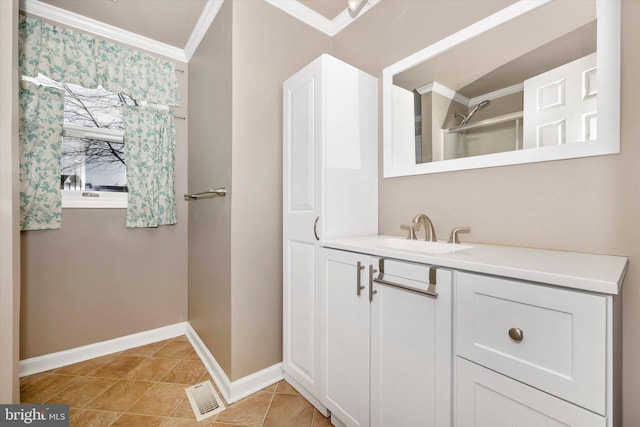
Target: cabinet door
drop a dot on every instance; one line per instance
(301, 206)
(411, 348)
(345, 317)
(485, 398)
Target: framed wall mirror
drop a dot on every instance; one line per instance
(536, 81)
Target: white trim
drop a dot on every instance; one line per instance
(231, 391)
(103, 134)
(38, 364)
(304, 14)
(316, 20)
(207, 16)
(452, 94)
(94, 199)
(441, 89)
(236, 390)
(608, 142)
(509, 90)
(71, 19)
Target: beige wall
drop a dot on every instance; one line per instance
(95, 279)
(235, 128)
(9, 222)
(210, 100)
(585, 205)
(269, 46)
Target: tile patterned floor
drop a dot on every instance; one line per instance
(144, 386)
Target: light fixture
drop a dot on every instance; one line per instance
(355, 6)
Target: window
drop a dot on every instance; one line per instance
(93, 169)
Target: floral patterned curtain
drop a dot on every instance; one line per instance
(149, 141)
(41, 114)
(66, 56)
(69, 57)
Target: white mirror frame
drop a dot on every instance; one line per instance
(397, 163)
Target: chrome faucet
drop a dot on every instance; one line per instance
(429, 231)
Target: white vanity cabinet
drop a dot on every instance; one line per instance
(386, 343)
(330, 173)
(530, 355)
(516, 336)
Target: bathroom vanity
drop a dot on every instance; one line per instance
(424, 334)
(384, 331)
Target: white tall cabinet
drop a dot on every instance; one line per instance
(330, 173)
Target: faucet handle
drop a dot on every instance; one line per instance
(412, 231)
(453, 238)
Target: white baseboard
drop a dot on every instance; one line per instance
(236, 390)
(231, 391)
(38, 364)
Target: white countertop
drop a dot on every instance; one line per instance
(589, 272)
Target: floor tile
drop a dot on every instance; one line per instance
(82, 392)
(144, 350)
(161, 399)
(288, 410)
(135, 420)
(118, 367)
(84, 368)
(145, 387)
(89, 417)
(27, 384)
(185, 372)
(151, 369)
(121, 396)
(320, 420)
(183, 410)
(46, 388)
(191, 355)
(182, 422)
(174, 349)
(249, 411)
(285, 388)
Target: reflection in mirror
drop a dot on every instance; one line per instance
(529, 84)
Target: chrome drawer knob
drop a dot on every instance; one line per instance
(516, 334)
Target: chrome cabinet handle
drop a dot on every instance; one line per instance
(372, 271)
(516, 334)
(359, 267)
(315, 228)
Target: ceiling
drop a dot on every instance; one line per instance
(174, 22)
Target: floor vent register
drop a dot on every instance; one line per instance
(204, 400)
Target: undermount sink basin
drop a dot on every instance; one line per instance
(418, 246)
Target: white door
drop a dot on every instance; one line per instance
(560, 105)
(301, 206)
(485, 398)
(345, 315)
(411, 348)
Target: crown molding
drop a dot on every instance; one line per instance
(509, 90)
(317, 21)
(71, 19)
(452, 94)
(209, 13)
(443, 90)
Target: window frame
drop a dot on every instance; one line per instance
(87, 199)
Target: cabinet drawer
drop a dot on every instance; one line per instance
(487, 399)
(563, 346)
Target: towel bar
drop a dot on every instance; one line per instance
(218, 192)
